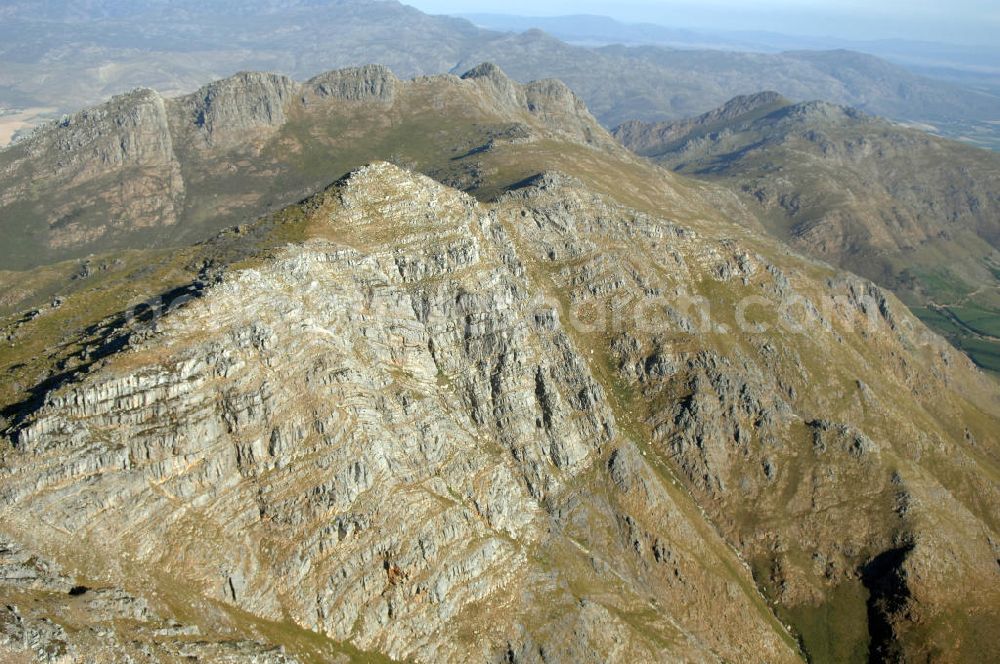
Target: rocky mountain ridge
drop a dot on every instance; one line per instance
(652, 139)
(591, 414)
(144, 170)
(443, 393)
(57, 61)
(409, 430)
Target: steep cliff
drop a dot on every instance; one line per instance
(100, 171)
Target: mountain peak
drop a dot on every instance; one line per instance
(654, 138)
(487, 70)
(549, 100)
(379, 180)
(225, 109)
(500, 85)
(743, 104)
(824, 111)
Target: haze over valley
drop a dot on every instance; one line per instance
(58, 59)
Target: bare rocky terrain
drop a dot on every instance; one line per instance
(587, 411)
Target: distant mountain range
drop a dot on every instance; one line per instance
(914, 212)
(56, 59)
(603, 30)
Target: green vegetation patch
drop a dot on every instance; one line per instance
(835, 631)
(978, 319)
(983, 352)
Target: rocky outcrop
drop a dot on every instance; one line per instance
(230, 111)
(498, 83)
(48, 617)
(549, 101)
(127, 139)
(557, 106)
(370, 83)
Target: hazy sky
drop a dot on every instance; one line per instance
(957, 21)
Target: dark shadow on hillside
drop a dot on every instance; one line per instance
(103, 340)
(885, 580)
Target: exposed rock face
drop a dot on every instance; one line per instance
(97, 624)
(502, 87)
(556, 105)
(396, 429)
(370, 83)
(225, 111)
(142, 171)
(128, 137)
(449, 431)
(550, 101)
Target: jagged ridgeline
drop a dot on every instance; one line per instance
(185, 43)
(145, 171)
(593, 414)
